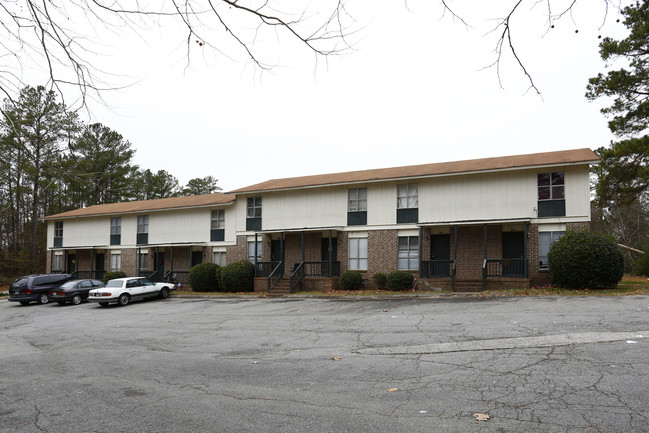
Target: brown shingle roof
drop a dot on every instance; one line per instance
(563, 157)
(148, 205)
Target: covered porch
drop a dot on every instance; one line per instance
(475, 255)
(300, 259)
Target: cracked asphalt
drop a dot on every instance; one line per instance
(533, 364)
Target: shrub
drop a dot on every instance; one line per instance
(114, 274)
(380, 279)
(582, 260)
(351, 280)
(202, 277)
(400, 280)
(238, 277)
(641, 266)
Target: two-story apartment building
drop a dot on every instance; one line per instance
(462, 225)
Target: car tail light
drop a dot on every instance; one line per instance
(29, 292)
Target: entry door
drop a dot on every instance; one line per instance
(324, 250)
(160, 266)
(440, 249)
(197, 258)
(72, 263)
(513, 248)
(276, 250)
(99, 266)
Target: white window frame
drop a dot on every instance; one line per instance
(142, 224)
(253, 207)
(554, 236)
(358, 252)
(58, 229)
(408, 253)
(219, 257)
(115, 261)
(217, 219)
(143, 261)
(57, 264)
(408, 196)
(553, 187)
(116, 226)
(251, 251)
(357, 200)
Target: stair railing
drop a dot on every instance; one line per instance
(296, 277)
(275, 276)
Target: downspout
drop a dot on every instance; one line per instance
(254, 255)
(484, 263)
(454, 261)
(331, 248)
(525, 271)
(421, 241)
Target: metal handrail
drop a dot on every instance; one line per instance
(296, 277)
(279, 270)
(504, 267)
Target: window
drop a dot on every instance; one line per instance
(217, 225)
(58, 234)
(218, 257)
(551, 194)
(251, 251)
(546, 239)
(358, 254)
(407, 203)
(357, 207)
(143, 261)
(253, 213)
(116, 231)
(115, 261)
(408, 253)
(57, 264)
(143, 229)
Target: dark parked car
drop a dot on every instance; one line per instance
(74, 291)
(35, 287)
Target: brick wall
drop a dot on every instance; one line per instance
(238, 252)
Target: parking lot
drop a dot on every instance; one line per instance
(524, 364)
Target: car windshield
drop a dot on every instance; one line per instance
(146, 282)
(68, 284)
(114, 283)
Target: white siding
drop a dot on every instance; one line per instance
(186, 225)
(382, 203)
(83, 232)
(577, 191)
(323, 207)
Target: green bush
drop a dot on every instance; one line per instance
(641, 266)
(400, 280)
(114, 274)
(238, 277)
(202, 277)
(581, 260)
(380, 279)
(351, 280)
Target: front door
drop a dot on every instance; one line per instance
(276, 250)
(99, 266)
(159, 267)
(197, 258)
(513, 248)
(72, 263)
(324, 254)
(440, 255)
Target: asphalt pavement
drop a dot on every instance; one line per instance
(517, 364)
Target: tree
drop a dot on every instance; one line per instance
(150, 186)
(59, 34)
(199, 186)
(101, 160)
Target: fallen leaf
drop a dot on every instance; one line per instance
(385, 311)
(393, 389)
(481, 417)
(337, 358)
(255, 362)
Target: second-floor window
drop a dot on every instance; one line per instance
(551, 194)
(408, 203)
(143, 229)
(253, 213)
(217, 225)
(116, 231)
(58, 234)
(357, 206)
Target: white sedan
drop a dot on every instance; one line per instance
(124, 290)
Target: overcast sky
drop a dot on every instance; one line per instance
(412, 91)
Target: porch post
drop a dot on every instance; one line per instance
(191, 254)
(421, 241)
(484, 263)
(281, 247)
(254, 260)
(172, 259)
(525, 272)
(137, 261)
(92, 260)
(303, 246)
(330, 254)
(51, 259)
(454, 261)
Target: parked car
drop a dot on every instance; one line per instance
(124, 290)
(35, 287)
(74, 291)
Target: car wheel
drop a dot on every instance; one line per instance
(60, 302)
(164, 293)
(24, 302)
(42, 298)
(76, 299)
(123, 299)
(103, 304)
